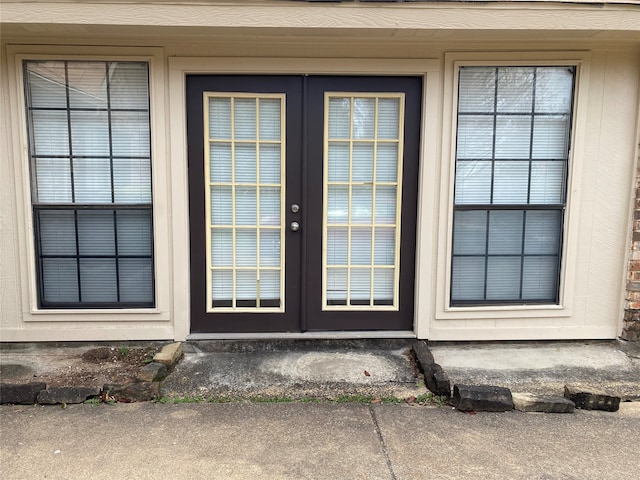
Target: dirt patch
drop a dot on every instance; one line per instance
(95, 367)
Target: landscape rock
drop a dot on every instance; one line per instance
(528, 402)
(55, 395)
(153, 372)
(437, 380)
(21, 393)
(135, 392)
(422, 354)
(482, 398)
(589, 398)
(169, 355)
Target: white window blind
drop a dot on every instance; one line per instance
(245, 165)
(91, 182)
(513, 135)
(363, 161)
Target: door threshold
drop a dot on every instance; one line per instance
(303, 335)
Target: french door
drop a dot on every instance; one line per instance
(302, 197)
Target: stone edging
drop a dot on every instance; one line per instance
(489, 398)
(146, 386)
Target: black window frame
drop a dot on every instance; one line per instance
(37, 207)
(524, 207)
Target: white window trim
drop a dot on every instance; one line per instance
(28, 280)
(180, 67)
(565, 307)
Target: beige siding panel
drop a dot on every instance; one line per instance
(20, 319)
(611, 193)
(90, 331)
(9, 268)
(598, 214)
(603, 185)
(539, 332)
(329, 16)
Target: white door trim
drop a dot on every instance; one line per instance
(179, 67)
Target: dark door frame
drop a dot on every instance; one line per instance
(304, 154)
(316, 318)
(242, 322)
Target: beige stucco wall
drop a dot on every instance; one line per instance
(604, 154)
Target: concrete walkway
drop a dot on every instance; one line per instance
(544, 367)
(331, 368)
(313, 441)
(295, 369)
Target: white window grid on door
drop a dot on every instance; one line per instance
(230, 264)
(366, 278)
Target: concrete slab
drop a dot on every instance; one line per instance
(542, 368)
(322, 370)
(444, 444)
(282, 441)
(12, 372)
(213, 441)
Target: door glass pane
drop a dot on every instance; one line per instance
(339, 117)
(269, 163)
(362, 162)
(222, 247)
(336, 286)
(383, 285)
(245, 163)
(338, 162)
(269, 248)
(245, 156)
(363, 117)
(362, 192)
(245, 206)
(244, 124)
(270, 206)
(388, 118)
(337, 241)
(220, 118)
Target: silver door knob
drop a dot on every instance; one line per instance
(295, 226)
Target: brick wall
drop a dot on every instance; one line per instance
(631, 325)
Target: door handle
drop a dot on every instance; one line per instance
(295, 226)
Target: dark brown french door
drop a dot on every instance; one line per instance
(302, 197)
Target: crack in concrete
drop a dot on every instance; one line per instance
(376, 426)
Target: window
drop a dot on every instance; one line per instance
(512, 153)
(244, 166)
(90, 160)
(362, 191)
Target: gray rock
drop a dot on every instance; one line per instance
(21, 393)
(434, 376)
(589, 398)
(482, 398)
(528, 402)
(153, 372)
(55, 395)
(135, 392)
(437, 380)
(422, 353)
